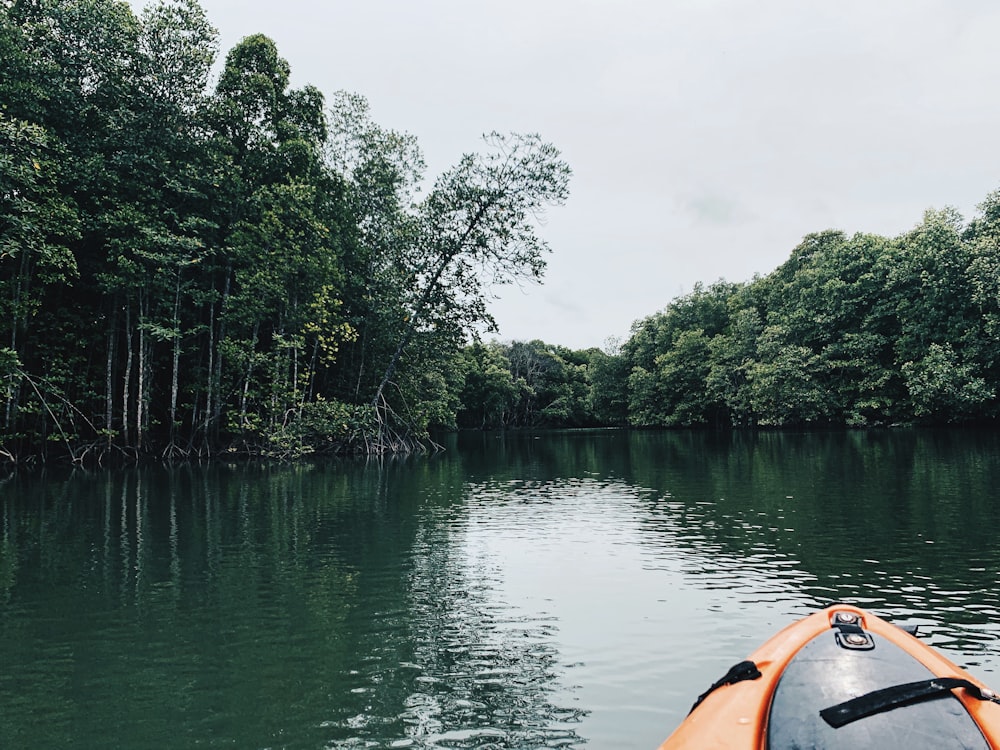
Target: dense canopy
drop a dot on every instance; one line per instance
(189, 266)
(194, 262)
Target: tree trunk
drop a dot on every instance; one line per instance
(19, 293)
(176, 360)
(443, 263)
(410, 329)
(140, 401)
(209, 392)
(109, 397)
(246, 378)
(126, 427)
(277, 381)
(307, 393)
(217, 413)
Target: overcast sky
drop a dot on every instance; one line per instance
(706, 137)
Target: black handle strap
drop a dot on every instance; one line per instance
(889, 698)
(744, 670)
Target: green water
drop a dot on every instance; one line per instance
(529, 591)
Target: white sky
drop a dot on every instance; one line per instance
(706, 136)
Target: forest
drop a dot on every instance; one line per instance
(197, 260)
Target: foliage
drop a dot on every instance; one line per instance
(944, 388)
(489, 393)
(187, 269)
(320, 427)
(607, 401)
(475, 230)
(859, 330)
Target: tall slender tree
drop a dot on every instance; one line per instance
(476, 229)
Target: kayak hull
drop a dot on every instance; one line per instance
(820, 662)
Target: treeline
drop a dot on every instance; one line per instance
(189, 266)
(856, 330)
(850, 331)
(534, 384)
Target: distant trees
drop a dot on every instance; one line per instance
(855, 330)
(860, 330)
(189, 268)
(534, 384)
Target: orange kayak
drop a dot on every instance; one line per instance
(843, 678)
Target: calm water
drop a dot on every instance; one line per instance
(548, 591)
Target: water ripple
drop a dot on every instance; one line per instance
(541, 593)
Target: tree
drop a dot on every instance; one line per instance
(382, 170)
(732, 354)
(165, 205)
(669, 357)
(930, 287)
(179, 264)
(944, 389)
(36, 225)
(683, 370)
(786, 382)
(830, 297)
(489, 392)
(68, 72)
(982, 237)
(608, 399)
(476, 230)
(278, 308)
(287, 274)
(566, 389)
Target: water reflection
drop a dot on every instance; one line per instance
(898, 522)
(520, 592)
(252, 607)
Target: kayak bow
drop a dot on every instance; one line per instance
(842, 678)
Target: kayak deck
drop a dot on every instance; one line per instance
(843, 677)
(823, 674)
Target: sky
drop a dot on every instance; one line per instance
(706, 137)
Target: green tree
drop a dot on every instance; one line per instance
(68, 67)
(933, 297)
(786, 382)
(278, 276)
(982, 237)
(568, 388)
(608, 398)
(930, 287)
(683, 370)
(668, 356)
(944, 389)
(488, 394)
(382, 170)
(830, 298)
(732, 354)
(475, 230)
(162, 227)
(36, 225)
(286, 270)
(551, 385)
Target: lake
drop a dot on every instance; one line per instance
(550, 590)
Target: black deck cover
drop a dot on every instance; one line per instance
(824, 674)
